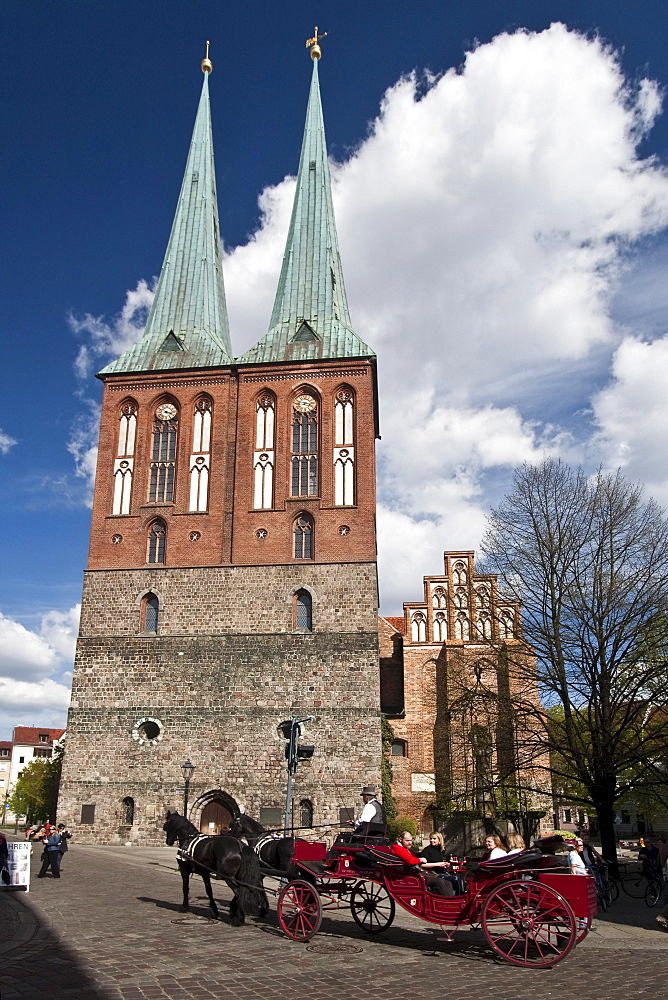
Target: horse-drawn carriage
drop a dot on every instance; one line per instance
(531, 909)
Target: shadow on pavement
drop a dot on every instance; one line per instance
(34, 962)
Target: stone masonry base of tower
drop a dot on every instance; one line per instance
(225, 666)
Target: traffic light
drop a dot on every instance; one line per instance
(292, 731)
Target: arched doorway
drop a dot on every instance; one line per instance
(215, 818)
(216, 810)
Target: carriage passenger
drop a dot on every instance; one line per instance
(402, 849)
(495, 848)
(515, 843)
(434, 858)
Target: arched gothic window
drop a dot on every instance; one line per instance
(418, 627)
(305, 446)
(485, 625)
(462, 630)
(439, 598)
(461, 597)
(128, 816)
(200, 458)
(306, 814)
(459, 573)
(303, 537)
(264, 457)
(157, 535)
(303, 610)
(150, 613)
(507, 624)
(163, 454)
(344, 450)
(482, 597)
(440, 627)
(124, 462)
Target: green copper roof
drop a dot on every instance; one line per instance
(310, 319)
(187, 326)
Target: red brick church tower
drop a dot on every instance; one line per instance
(231, 579)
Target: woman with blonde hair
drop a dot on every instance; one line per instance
(495, 848)
(434, 858)
(515, 843)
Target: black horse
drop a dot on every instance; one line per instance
(223, 857)
(275, 853)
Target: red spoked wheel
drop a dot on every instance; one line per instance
(299, 910)
(529, 924)
(372, 907)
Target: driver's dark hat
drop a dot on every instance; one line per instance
(369, 790)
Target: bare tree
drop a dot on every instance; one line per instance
(588, 559)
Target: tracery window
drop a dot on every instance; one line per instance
(439, 598)
(485, 625)
(305, 446)
(462, 629)
(482, 597)
(507, 624)
(440, 627)
(303, 537)
(163, 454)
(124, 462)
(157, 536)
(461, 597)
(418, 627)
(200, 458)
(459, 573)
(344, 450)
(263, 458)
(303, 610)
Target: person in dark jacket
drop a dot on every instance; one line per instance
(51, 856)
(65, 835)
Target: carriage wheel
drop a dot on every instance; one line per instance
(528, 924)
(299, 910)
(372, 907)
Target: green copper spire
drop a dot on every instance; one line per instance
(310, 318)
(187, 326)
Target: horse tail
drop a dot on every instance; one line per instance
(254, 900)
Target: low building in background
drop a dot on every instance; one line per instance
(28, 743)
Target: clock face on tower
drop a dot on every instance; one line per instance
(166, 411)
(305, 404)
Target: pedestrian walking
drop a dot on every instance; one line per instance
(65, 835)
(51, 856)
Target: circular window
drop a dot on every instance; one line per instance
(195, 536)
(147, 732)
(344, 529)
(116, 539)
(261, 533)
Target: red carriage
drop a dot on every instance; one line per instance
(531, 910)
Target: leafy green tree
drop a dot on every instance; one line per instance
(588, 560)
(387, 735)
(35, 793)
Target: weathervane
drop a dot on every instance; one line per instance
(313, 42)
(207, 65)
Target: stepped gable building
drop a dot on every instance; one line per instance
(456, 681)
(231, 579)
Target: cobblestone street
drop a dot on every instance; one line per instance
(111, 929)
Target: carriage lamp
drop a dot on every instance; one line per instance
(187, 770)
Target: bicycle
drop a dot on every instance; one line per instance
(637, 884)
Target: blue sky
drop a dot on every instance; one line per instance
(502, 215)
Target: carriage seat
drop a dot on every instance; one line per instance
(533, 857)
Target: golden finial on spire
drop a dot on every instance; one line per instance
(313, 42)
(207, 65)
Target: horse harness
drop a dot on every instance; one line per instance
(187, 851)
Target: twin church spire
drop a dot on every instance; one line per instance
(188, 326)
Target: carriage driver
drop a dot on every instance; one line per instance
(372, 811)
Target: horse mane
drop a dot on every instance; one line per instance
(181, 824)
(250, 825)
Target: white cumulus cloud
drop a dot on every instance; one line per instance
(6, 442)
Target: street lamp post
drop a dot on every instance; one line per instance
(187, 772)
